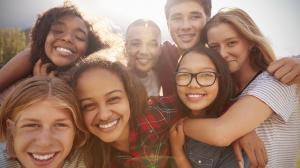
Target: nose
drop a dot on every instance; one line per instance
(144, 50)
(45, 137)
(194, 83)
(67, 36)
(186, 24)
(223, 52)
(104, 113)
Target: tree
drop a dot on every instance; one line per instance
(12, 41)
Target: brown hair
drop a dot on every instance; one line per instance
(143, 22)
(225, 84)
(34, 90)
(42, 27)
(206, 4)
(261, 55)
(137, 97)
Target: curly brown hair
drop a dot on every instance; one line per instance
(42, 27)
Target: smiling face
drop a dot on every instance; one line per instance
(185, 22)
(105, 105)
(42, 138)
(194, 96)
(66, 41)
(143, 47)
(231, 45)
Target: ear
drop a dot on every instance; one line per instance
(10, 125)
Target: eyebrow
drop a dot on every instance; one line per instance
(109, 93)
(206, 68)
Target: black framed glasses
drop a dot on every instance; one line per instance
(204, 79)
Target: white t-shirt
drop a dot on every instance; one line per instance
(281, 131)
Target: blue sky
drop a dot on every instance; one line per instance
(278, 19)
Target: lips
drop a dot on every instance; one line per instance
(108, 126)
(195, 96)
(143, 61)
(64, 51)
(42, 159)
(186, 37)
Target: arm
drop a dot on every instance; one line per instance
(287, 70)
(177, 141)
(16, 68)
(241, 118)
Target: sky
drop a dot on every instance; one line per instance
(279, 20)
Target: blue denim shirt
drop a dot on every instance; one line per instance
(202, 155)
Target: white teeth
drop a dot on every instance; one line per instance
(43, 157)
(143, 60)
(64, 50)
(195, 95)
(108, 124)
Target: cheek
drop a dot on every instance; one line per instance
(88, 119)
(181, 92)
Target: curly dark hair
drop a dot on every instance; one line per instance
(42, 27)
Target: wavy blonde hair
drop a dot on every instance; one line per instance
(261, 54)
(35, 90)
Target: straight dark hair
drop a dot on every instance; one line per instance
(226, 87)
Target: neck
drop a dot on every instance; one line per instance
(122, 144)
(198, 113)
(244, 76)
(140, 74)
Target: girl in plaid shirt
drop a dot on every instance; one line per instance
(126, 129)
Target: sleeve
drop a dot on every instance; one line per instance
(281, 98)
(166, 106)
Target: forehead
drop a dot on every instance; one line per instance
(71, 20)
(198, 61)
(97, 82)
(143, 32)
(222, 31)
(45, 110)
(186, 7)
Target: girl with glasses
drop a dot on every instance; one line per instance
(204, 87)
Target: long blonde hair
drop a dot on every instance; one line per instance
(35, 90)
(261, 54)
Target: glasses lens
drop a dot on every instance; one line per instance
(183, 79)
(206, 78)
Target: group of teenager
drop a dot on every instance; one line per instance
(226, 101)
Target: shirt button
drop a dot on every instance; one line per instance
(199, 161)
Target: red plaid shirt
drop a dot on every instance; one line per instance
(149, 139)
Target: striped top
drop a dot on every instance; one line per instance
(6, 162)
(281, 131)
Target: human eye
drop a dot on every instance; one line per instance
(62, 125)
(30, 126)
(196, 17)
(182, 78)
(214, 47)
(80, 36)
(113, 100)
(88, 107)
(57, 29)
(176, 18)
(135, 44)
(231, 43)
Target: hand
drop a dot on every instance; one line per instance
(41, 69)
(286, 70)
(254, 149)
(177, 142)
(177, 138)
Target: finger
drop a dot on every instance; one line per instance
(37, 67)
(260, 158)
(274, 66)
(44, 69)
(265, 155)
(180, 130)
(282, 71)
(251, 155)
(238, 154)
(52, 74)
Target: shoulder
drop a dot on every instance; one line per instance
(5, 160)
(281, 98)
(76, 160)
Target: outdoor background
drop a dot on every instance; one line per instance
(279, 20)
